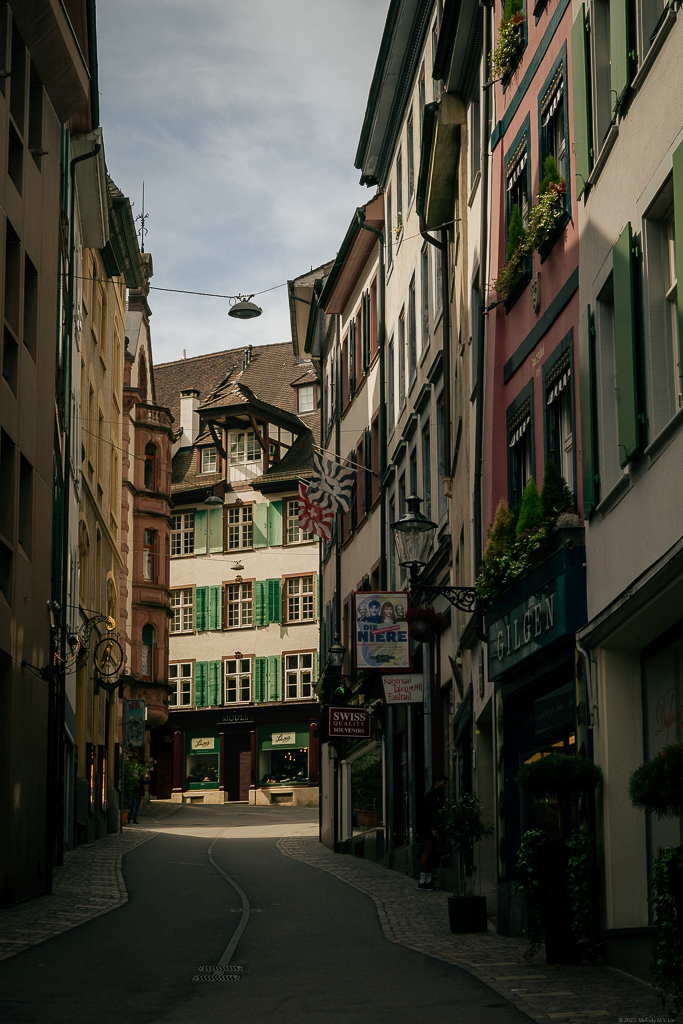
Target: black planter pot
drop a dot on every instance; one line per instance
(560, 947)
(467, 914)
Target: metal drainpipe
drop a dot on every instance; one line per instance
(360, 217)
(59, 782)
(482, 327)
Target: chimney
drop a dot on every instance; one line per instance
(189, 418)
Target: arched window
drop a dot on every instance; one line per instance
(150, 467)
(147, 662)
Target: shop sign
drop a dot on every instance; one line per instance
(381, 630)
(554, 711)
(283, 739)
(403, 688)
(235, 716)
(202, 742)
(135, 723)
(349, 722)
(525, 629)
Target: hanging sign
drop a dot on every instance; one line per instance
(202, 743)
(403, 688)
(283, 739)
(349, 722)
(381, 630)
(135, 723)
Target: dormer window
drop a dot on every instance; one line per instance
(209, 464)
(307, 398)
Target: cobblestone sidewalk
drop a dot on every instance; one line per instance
(559, 994)
(88, 884)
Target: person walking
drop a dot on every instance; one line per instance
(428, 834)
(137, 793)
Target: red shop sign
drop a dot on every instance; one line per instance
(349, 722)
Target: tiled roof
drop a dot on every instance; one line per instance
(200, 372)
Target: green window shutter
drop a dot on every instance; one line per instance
(618, 51)
(201, 600)
(216, 530)
(260, 605)
(260, 665)
(274, 600)
(678, 223)
(214, 688)
(215, 620)
(274, 688)
(200, 683)
(259, 514)
(201, 520)
(275, 523)
(586, 408)
(625, 346)
(316, 597)
(582, 119)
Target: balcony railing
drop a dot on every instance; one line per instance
(153, 414)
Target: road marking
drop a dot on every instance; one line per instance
(239, 930)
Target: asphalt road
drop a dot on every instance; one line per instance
(312, 952)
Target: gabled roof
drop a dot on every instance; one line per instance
(399, 52)
(350, 262)
(200, 372)
(300, 294)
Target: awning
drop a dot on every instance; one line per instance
(555, 92)
(517, 170)
(559, 386)
(519, 432)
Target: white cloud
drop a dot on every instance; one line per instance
(243, 119)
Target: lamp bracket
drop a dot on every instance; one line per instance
(463, 598)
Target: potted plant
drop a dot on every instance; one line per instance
(425, 623)
(461, 825)
(504, 55)
(657, 786)
(556, 868)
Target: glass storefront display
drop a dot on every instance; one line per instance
(202, 761)
(283, 755)
(366, 789)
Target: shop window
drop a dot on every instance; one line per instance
(147, 658)
(244, 447)
(202, 763)
(209, 460)
(150, 467)
(180, 678)
(182, 534)
(521, 466)
(300, 599)
(239, 604)
(240, 527)
(148, 542)
(294, 533)
(182, 608)
(283, 767)
(237, 680)
(559, 411)
(298, 676)
(307, 398)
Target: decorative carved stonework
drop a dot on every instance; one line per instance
(536, 292)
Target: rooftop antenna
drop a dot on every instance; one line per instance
(142, 217)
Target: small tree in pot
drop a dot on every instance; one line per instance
(657, 786)
(461, 825)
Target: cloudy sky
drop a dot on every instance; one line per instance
(242, 117)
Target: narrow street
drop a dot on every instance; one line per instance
(313, 949)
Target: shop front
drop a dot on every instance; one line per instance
(283, 765)
(540, 698)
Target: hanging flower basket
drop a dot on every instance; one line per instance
(504, 56)
(425, 623)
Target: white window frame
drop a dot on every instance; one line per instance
(300, 600)
(176, 677)
(299, 681)
(182, 608)
(293, 533)
(307, 398)
(182, 534)
(239, 528)
(239, 605)
(209, 460)
(237, 680)
(243, 447)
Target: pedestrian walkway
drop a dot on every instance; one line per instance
(88, 884)
(419, 921)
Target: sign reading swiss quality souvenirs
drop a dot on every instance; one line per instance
(135, 723)
(382, 639)
(526, 628)
(349, 722)
(403, 688)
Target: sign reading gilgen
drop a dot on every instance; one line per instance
(382, 639)
(349, 722)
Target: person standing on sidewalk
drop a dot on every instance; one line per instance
(428, 834)
(136, 796)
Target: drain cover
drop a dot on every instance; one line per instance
(218, 974)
